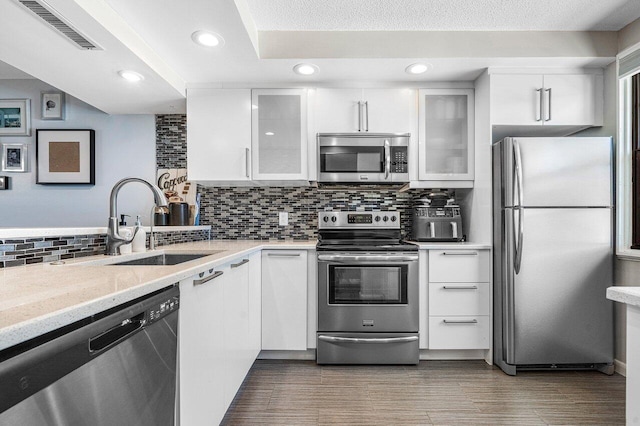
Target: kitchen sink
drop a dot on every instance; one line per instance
(167, 259)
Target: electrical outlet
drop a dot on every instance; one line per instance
(283, 218)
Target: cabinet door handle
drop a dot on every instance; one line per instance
(539, 105)
(473, 321)
(459, 253)
(462, 287)
(359, 116)
(209, 278)
(242, 262)
(366, 116)
(548, 118)
(247, 161)
(283, 254)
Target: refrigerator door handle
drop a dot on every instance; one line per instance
(520, 187)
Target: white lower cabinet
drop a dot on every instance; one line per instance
(284, 300)
(219, 332)
(459, 299)
(202, 353)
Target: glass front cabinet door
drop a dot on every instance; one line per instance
(279, 134)
(446, 148)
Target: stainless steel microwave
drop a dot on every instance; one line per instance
(363, 157)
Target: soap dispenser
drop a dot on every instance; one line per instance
(140, 240)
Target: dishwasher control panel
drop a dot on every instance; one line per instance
(163, 308)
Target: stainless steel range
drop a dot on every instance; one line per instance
(367, 290)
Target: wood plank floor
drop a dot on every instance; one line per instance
(431, 393)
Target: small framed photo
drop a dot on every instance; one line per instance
(52, 104)
(15, 117)
(65, 156)
(14, 158)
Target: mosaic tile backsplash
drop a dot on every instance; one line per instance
(171, 141)
(252, 213)
(25, 251)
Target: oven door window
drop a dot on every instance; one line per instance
(368, 285)
(351, 159)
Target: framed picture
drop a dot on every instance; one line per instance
(52, 104)
(65, 156)
(14, 158)
(15, 117)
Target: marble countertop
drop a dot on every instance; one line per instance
(451, 245)
(628, 295)
(36, 299)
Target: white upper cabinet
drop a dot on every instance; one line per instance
(549, 99)
(446, 143)
(365, 110)
(219, 134)
(279, 134)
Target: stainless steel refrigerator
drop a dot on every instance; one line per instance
(553, 253)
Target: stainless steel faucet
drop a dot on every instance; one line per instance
(114, 239)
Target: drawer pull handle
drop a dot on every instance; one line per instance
(473, 321)
(209, 278)
(462, 287)
(242, 262)
(283, 254)
(460, 253)
(336, 339)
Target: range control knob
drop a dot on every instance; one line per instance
(385, 218)
(326, 219)
(393, 218)
(334, 219)
(377, 218)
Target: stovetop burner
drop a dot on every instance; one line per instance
(361, 232)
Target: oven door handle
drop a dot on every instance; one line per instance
(367, 258)
(335, 339)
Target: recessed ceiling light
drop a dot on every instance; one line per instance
(306, 69)
(254, 106)
(131, 76)
(207, 38)
(418, 68)
(269, 133)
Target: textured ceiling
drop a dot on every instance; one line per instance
(443, 15)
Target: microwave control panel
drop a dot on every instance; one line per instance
(399, 162)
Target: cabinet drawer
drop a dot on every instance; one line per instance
(459, 332)
(459, 299)
(459, 266)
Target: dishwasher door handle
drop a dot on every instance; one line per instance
(336, 339)
(116, 334)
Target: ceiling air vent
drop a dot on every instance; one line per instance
(53, 18)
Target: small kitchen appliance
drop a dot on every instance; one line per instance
(437, 218)
(367, 290)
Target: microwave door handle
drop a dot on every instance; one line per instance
(432, 229)
(387, 159)
(454, 230)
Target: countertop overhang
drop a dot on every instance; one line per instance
(628, 295)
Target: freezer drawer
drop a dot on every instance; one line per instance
(458, 265)
(460, 332)
(459, 299)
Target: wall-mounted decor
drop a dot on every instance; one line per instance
(52, 105)
(15, 117)
(65, 156)
(14, 158)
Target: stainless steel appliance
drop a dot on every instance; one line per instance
(367, 290)
(363, 157)
(115, 368)
(553, 253)
(437, 218)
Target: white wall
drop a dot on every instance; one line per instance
(125, 146)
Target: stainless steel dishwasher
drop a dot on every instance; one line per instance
(114, 368)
